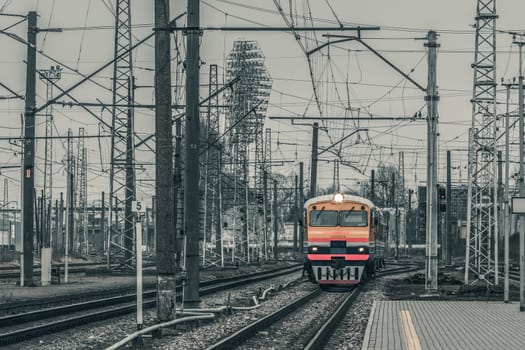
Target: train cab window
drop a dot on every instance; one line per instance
(323, 218)
(354, 218)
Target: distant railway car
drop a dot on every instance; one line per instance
(345, 237)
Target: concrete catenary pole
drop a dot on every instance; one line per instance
(313, 165)
(500, 218)
(506, 222)
(165, 238)
(448, 232)
(432, 99)
(373, 187)
(275, 222)
(297, 216)
(521, 187)
(29, 153)
(191, 170)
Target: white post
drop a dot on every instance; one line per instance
(45, 266)
(138, 240)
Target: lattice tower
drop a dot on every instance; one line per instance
(248, 103)
(81, 245)
(70, 195)
(211, 171)
(267, 194)
(122, 174)
(482, 205)
(49, 76)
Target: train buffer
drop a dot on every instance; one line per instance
(436, 324)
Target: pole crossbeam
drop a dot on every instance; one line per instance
(482, 223)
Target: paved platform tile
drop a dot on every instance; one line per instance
(433, 325)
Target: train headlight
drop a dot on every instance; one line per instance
(361, 249)
(313, 249)
(338, 197)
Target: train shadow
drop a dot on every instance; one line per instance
(334, 288)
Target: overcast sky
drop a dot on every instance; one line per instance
(350, 80)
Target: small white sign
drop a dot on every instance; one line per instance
(518, 205)
(138, 207)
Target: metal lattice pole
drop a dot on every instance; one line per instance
(211, 171)
(122, 174)
(82, 244)
(482, 220)
(49, 76)
(267, 175)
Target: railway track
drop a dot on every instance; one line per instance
(7, 272)
(315, 339)
(34, 331)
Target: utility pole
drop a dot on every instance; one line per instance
(500, 218)
(482, 185)
(60, 225)
(266, 174)
(301, 204)
(29, 153)
(432, 99)
(372, 187)
(218, 207)
(275, 223)
(245, 248)
(191, 170)
(402, 233)
(396, 212)
(102, 223)
(267, 214)
(448, 215)
(122, 172)
(313, 165)
(507, 225)
(409, 214)
(69, 202)
(163, 207)
(521, 186)
(296, 216)
(50, 76)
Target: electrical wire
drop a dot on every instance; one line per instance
(83, 35)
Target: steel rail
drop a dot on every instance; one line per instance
(321, 337)
(210, 287)
(245, 333)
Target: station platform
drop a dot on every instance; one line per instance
(431, 324)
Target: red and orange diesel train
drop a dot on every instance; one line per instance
(345, 237)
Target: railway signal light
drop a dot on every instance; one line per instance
(442, 195)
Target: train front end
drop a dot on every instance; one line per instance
(340, 239)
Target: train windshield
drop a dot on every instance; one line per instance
(354, 218)
(323, 218)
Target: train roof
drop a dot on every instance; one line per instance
(347, 197)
